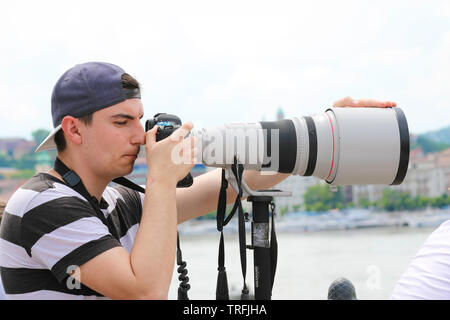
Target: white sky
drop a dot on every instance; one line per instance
(214, 62)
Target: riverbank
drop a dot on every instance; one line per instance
(334, 220)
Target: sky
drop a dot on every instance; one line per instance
(215, 62)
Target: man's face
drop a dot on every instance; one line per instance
(112, 141)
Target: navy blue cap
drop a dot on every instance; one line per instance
(84, 89)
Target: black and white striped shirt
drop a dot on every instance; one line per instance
(48, 229)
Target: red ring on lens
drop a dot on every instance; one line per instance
(332, 132)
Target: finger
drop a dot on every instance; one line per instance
(344, 102)
(186, 154)
(150, 137)
(195, 155)
(191, 141)
(391, 104)
(371, 103)
(367, 103)
(182, 131)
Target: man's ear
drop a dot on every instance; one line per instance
(70, 126)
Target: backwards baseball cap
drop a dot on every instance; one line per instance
(84, 89)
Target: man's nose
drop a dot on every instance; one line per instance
(139, 135)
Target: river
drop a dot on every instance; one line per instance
(373, 259)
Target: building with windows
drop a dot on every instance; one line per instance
(428, 175)
(298, 186)
(16, 147)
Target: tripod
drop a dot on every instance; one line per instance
(264, 250)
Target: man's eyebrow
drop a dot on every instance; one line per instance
(124, 115)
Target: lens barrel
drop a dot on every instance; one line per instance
(356, 146)
(342, 146)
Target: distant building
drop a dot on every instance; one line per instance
(416, 153)
(428, 175)
(443, 162)
(16, 147)
(298, 186)
(7, 172)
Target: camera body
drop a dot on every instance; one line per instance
(167, 124)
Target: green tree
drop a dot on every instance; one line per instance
(283, 210)
(5, 160)
(24, 174)
(440, 202)
(389, 200)
(421, 202)
(364, 203)
(39, 135)
(320, 198)
(428, 145)
(393, 200)
(26, 161)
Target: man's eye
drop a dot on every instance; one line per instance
(120, 122)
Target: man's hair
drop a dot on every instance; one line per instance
(128, 82)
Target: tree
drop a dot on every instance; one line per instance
(364, 203)
(320, 198)
(24, 174)
(440, 202)
(393, 200)
(427, 145)
(5, 160)
(26, 161)
(389, 200)
(39, 135)
(283, 210)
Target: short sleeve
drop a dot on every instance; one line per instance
(428, 275)
(63, 234)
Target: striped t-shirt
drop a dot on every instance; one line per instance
(48, 229)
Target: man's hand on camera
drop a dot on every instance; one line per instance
(170, 159)
(369, 103)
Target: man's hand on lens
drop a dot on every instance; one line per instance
(369, 103)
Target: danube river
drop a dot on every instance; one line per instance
(373, 259)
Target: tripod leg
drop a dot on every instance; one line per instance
(261, 247)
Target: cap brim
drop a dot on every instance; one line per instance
(49, 142)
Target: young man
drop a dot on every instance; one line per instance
(115, 242)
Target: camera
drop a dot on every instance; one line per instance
(167, 124)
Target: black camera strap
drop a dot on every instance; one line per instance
(222, 286)
(129, 184)
(74, 181)
(222, 283)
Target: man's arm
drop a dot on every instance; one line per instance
(201, 198)
(146, 272)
